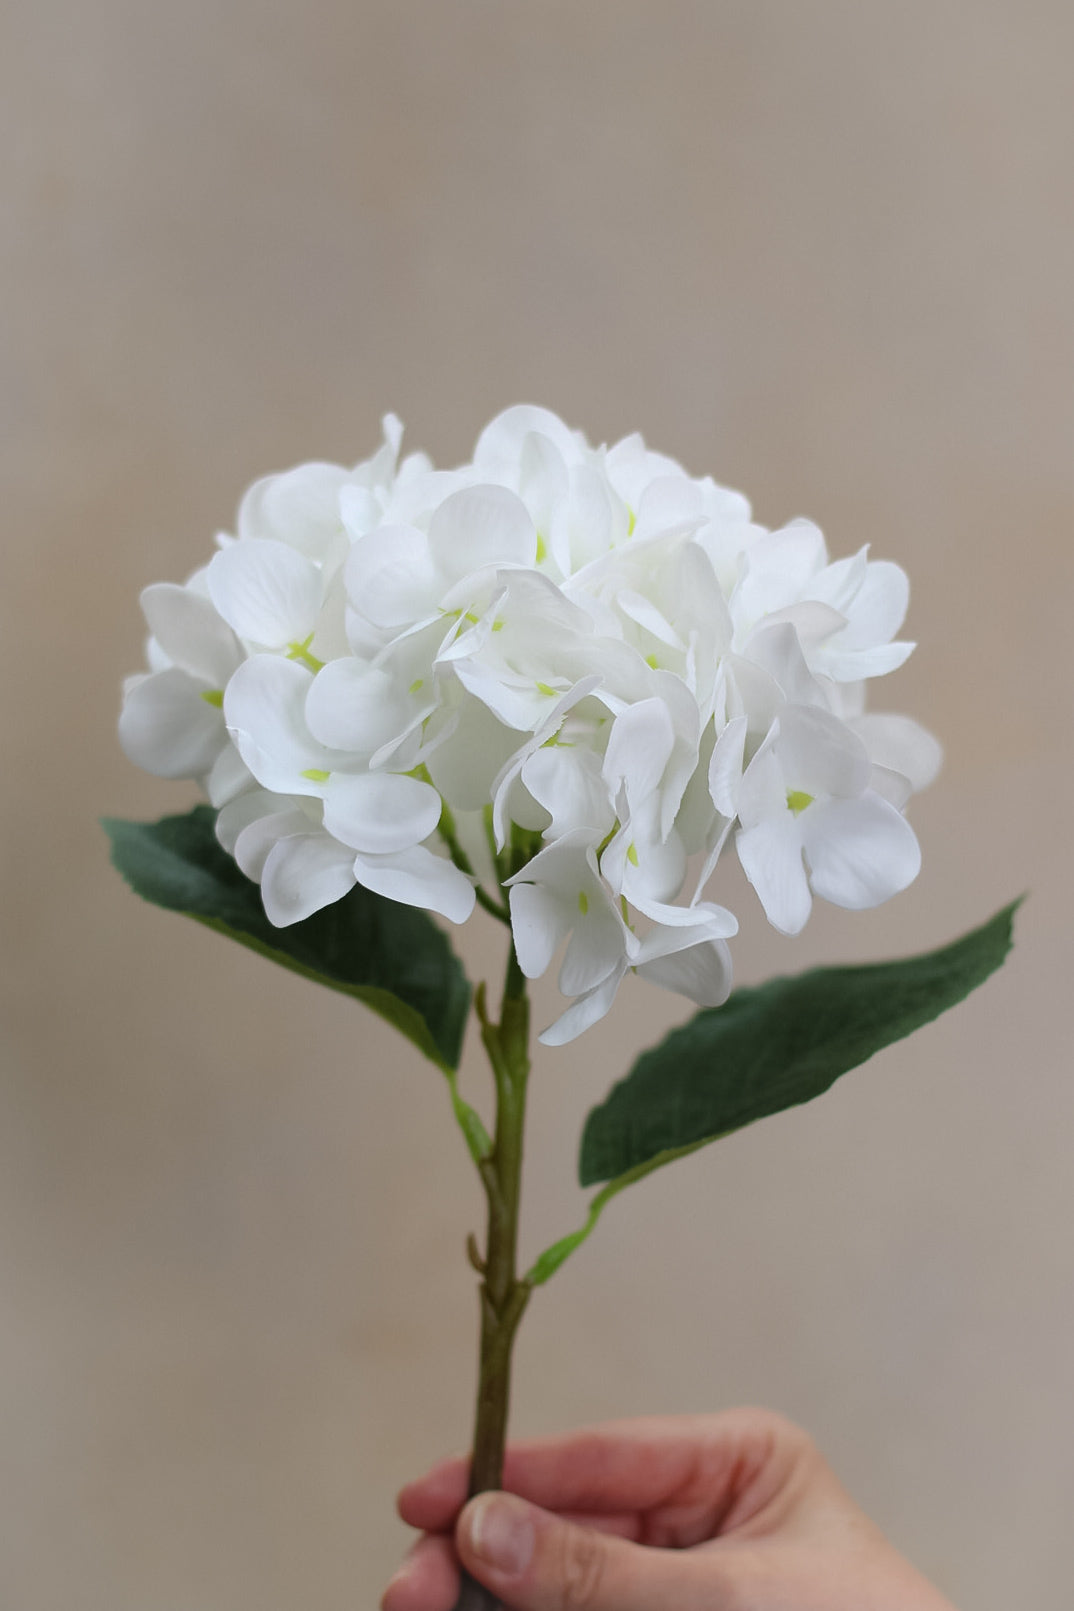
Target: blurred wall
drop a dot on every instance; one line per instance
(824, 252)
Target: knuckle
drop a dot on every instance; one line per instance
(773, 1425)
(772, 1437)
(582, 1569)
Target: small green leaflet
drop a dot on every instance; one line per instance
(391, 957)
(773, 1046)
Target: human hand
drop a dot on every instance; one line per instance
(676, 1513)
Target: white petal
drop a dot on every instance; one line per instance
(191, 633)
(536, 618)
(780, 567)
(228, 776)
(379, 813)
(632, 468)
(645, 614)
(480, 527)
(639, 749)
(359, 511)
(583, 1013)
(269, 593)
(265, 710)
(891, 786)
(771, 857)
(860, 852)
(392, 428)
(720, 830)
(567, 781)
(418, 877)
(302, 874)
(590, 522)
(727, 539)
(391, 579)
(544, 486)
(849, 665)
(504, 783)
(669, 505)
(839, 583)
(540, 919)
(700, 600)
(879, 607)
(499, 447)
(819, 754)
(726, 766)
(565, 865)
(752, 692)
(847, 700)
(299, 507)
(814, 623)
(469, 640)
(464, 766)
(232, 818)
(707, 920)
(901, 745)
(654, 874)
(517, 703)
(417, 493)
(776, 649)
(355, 706)
(686, 723)
(155, 657)
(597, 945)
(701, 972)
(518, 804)
(167, 728)
(762, 794)
(257, 839)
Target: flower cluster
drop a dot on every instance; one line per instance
(602, 656)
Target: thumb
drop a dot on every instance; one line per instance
(535, 1561)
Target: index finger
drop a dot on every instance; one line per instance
(620, 1466)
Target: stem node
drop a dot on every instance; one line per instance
(473, 1254)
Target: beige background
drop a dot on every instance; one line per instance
(824, 251)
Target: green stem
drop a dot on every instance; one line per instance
(503, 1295)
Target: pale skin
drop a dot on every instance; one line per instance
(731, 1512)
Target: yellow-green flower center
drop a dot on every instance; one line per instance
(301, 653)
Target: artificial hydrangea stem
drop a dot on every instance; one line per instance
(503, 1295)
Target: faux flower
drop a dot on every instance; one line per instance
(600, 662)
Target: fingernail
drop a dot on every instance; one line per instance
(501, 1533)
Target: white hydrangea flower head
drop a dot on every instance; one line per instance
(605, 658)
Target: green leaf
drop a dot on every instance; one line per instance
(776, 1045)
(392, 957)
